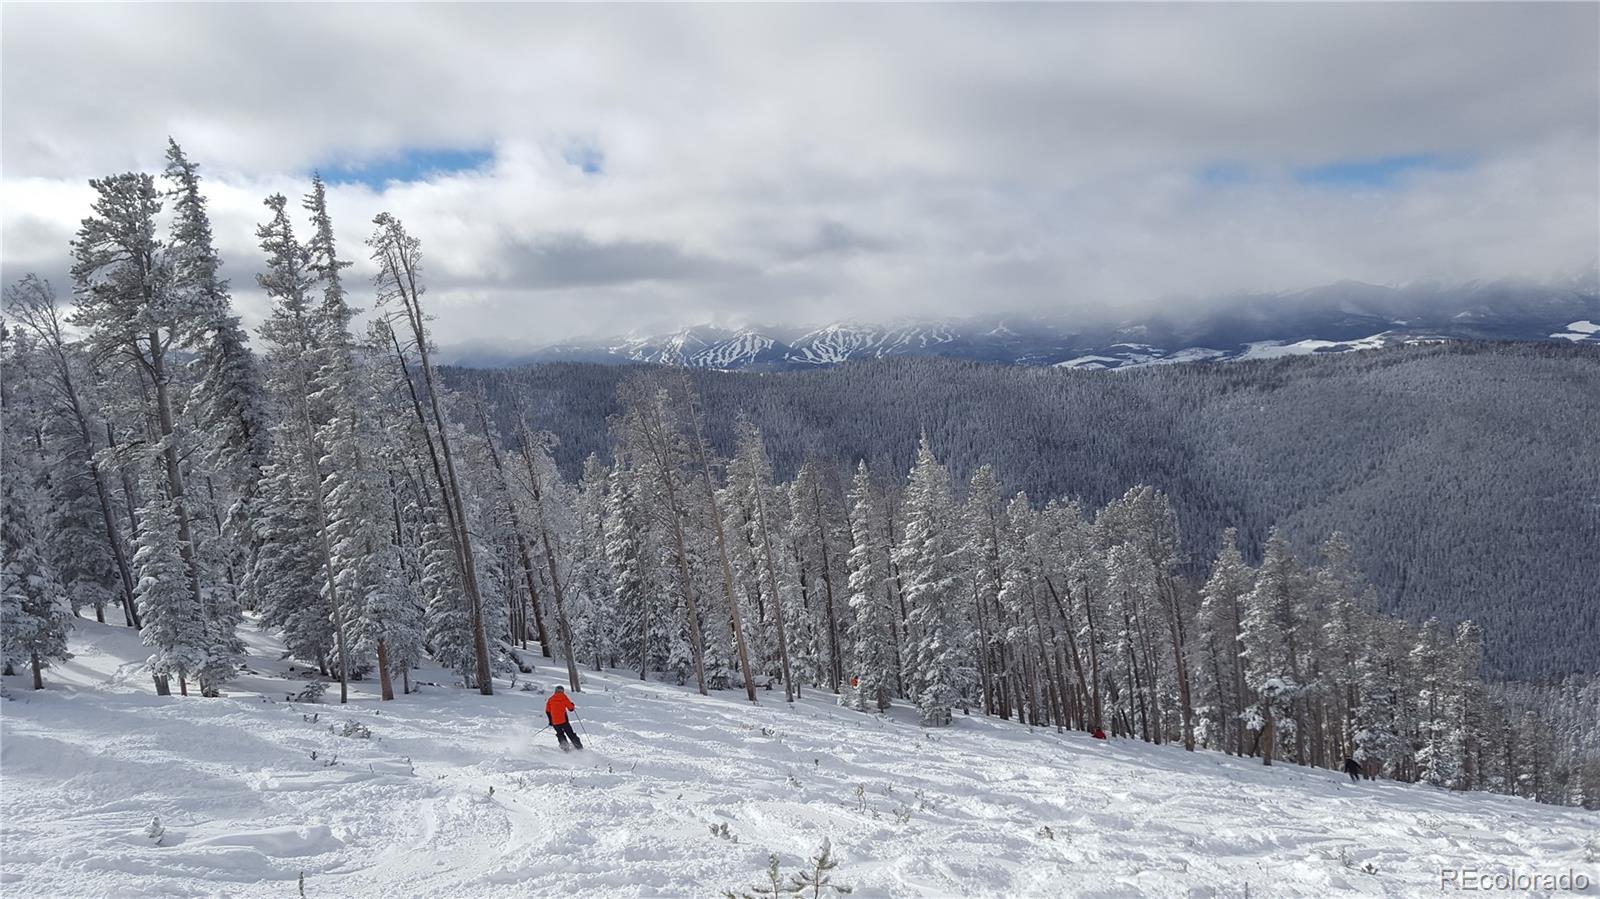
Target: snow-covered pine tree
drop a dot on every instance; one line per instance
(293, 365)
(34, 618)
(1086, 603)
(873, 653)
(74, 528)
(626, 558)
(448, 626)
(927, 556)
(1271, 617)
(1130, 588)
(1345, 602)
(750, 484)
(814, 530)
(288, 570)
(654, 446)
(983, 520)
(128, 308)
(688, 401)
(1383, 672)
(174, 623)
(1022, 621)
(596, 616)
(1219, 622)
(226, 397)
(1144, 518)
(32, 304)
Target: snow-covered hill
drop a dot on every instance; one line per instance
(457, 794)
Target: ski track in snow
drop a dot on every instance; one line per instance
(950, 812)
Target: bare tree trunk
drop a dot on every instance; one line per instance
(990, 706)
(457, 526)
(777, 596)
(835, 666)
(175, 493)
(563, 628)
(1269, 734)
(1181, 662)
(522, 541)
(386, 683)
(1072, 647)
(702, 457)
(400, 256)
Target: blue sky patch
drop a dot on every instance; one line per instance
(589, 159)
(408, 165)
(1224, 174)
(1381, 172)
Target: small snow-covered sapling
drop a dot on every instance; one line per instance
(814, 880)
(354, 729)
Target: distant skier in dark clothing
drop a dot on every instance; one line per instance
(556, 709)
(1352, 768)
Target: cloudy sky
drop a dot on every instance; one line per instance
(593, 169)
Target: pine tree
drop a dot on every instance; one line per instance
(74, 531)
(1219, 623)
(752, 499)
(597, 612)
(129, 308)
(984, 520)
(926, 557)
(1268, 635)
(34, 618)
(448, 623)
(174, 624)
(873, 657)
(626, 558)
(289, 571)
(226, 397)
(814, 531)
(294, 362)
(33, 304)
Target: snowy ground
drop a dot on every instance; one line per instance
(983, 808)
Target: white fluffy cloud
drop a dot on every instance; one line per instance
(802, 163)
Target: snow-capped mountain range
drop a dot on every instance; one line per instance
(1335, 318)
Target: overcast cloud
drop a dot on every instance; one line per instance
(641, 165)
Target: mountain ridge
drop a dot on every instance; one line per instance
(1338, 317)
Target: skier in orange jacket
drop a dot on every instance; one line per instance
(556, 709)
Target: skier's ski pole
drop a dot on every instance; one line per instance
(580, 724)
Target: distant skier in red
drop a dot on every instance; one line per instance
(556, 709)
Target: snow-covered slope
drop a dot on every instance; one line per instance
(1578, 332)
(456, 794)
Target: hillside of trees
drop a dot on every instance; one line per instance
(855, 532)
(1462, 474)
